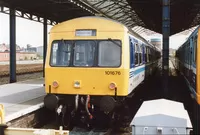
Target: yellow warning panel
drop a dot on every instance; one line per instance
(2, 115)
(26, 131)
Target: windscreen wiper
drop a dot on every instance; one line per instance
(114, 42)
(63, 41)
(64, 45)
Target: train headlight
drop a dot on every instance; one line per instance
(112, 86)
(77, 84)
(55, 84)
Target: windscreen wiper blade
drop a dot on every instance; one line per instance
(114, 42)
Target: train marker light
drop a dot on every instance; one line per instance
(112, 86)
(55, 84)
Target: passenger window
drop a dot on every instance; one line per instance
(147, 49)
(153, 55)
(185, 54)
(149, 54)
(145, 54)
(136, 54)
(140, 54)
(131, 55)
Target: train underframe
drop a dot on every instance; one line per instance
(84, 109)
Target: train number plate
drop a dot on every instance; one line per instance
(112, 73)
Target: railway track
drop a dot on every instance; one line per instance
(120, 127)
(23, 72)
(21, 69)
(101, 127)
(82, 131)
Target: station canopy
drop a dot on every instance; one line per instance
(144, 13)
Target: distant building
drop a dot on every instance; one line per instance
(40, 51)
(156, 42)
(5, 56)
(5, 48)
(31, 49)
(22, 53)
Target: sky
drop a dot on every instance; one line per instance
(31, 32)
(27, 32)
(174, 42)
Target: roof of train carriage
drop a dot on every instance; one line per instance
(86, 19)
(146, 13)
(191, 35)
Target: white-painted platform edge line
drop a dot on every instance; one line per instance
(28, 80)
(23, 112)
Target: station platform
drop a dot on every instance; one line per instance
(22, 98)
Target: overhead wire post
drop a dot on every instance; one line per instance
(44, 44)
(166, 33)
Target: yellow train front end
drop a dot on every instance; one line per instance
(87, 63)
(197, 55)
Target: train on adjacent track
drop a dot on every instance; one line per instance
(93, 64)
(188, 62)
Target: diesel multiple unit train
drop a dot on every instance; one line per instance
(93, 64)
(187, 62)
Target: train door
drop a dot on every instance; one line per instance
(142, 65)
(190, 54)
(145, 60)
(132, 64)
(194, 62)
(137, 67)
